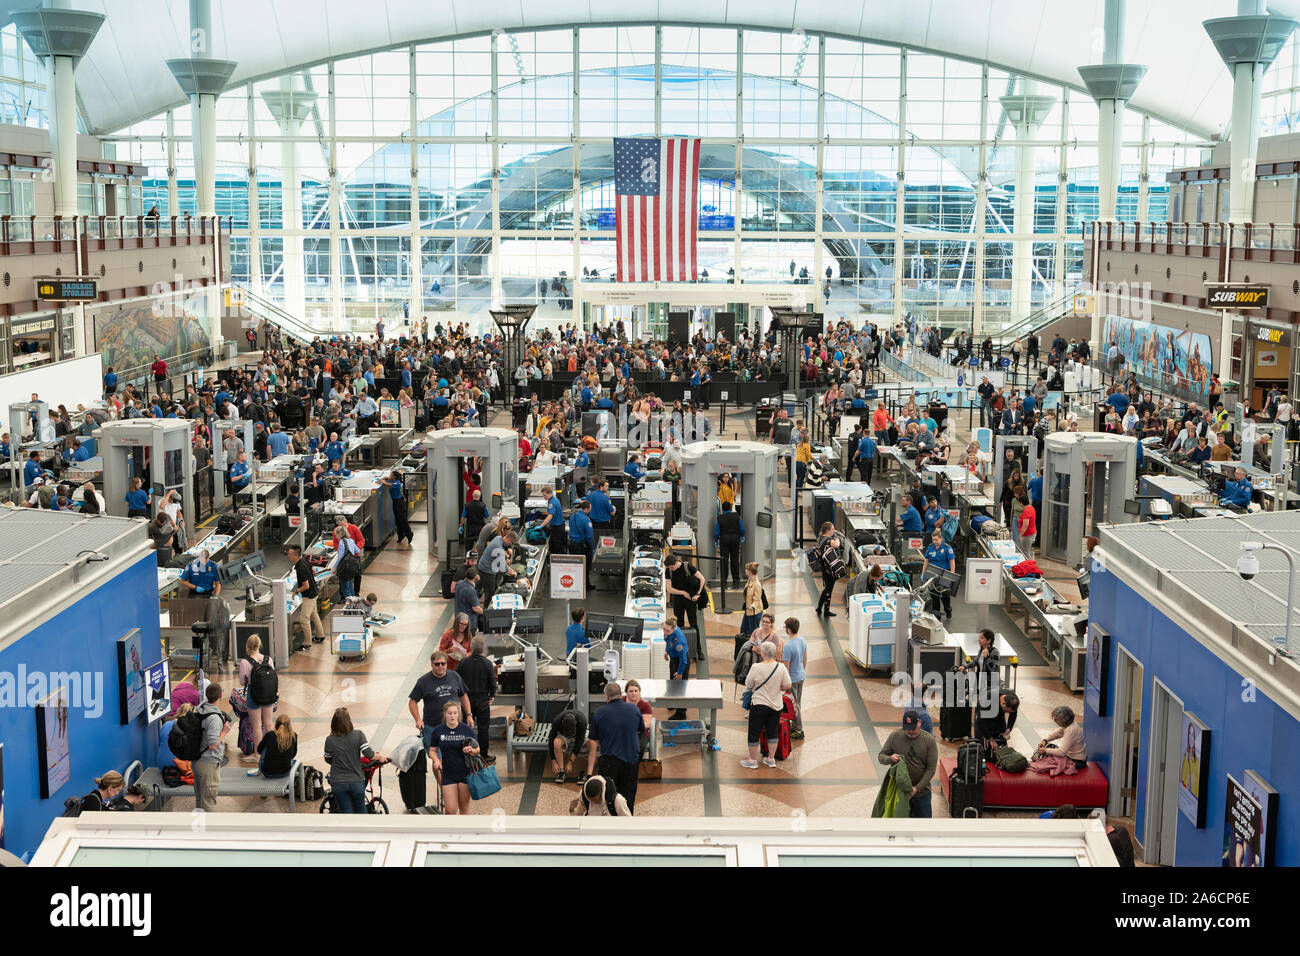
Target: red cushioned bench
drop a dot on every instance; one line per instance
(1034, 791)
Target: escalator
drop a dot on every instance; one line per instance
(259, 308)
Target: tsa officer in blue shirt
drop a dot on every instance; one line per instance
(239, 473)
(580, 466)
(337, 470)
(939, 555)
(201, 578)
(678, 657)
(909, 517)
(582, 536)
(554, 521)
(575, 635)
(602, 509)
(865, 456)
(401, 511)
(32, 470)
(633, 466)
(1238, 491)
(334, 449)
(934, 515)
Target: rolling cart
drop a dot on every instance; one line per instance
(350, 635)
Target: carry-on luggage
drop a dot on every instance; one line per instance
(954, 723)
(970, 762)
(413, 783)
(783, 734)
(967, 798)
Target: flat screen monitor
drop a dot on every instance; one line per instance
(624, 628)
(1133, 508)
(235, 572)
(526, 621)
(497, 501)
(763, 519)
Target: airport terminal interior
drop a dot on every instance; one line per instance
(807, 434)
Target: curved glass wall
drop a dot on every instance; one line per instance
(461, 173)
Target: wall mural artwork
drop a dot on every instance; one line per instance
(131, 337)
(1183, 358)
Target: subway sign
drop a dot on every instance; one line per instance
(1236, 296)
(63, 290)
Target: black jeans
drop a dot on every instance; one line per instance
(482, 724)
(680, 713)
(729, 551)
(487, 585)
(828, 585)
(684, 609)
(402, 521)
(623, 774)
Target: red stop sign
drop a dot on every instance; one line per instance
(566, 580)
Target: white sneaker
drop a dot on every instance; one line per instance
(769, 761)
(749, 764)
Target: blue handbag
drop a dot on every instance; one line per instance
(483, 780)
(747, 698)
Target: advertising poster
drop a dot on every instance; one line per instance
(1186, 358)
(54, 756)
(157, 691)
(1242, 822)
(130, 676)
(1194, 770)
(1267, 798)
(390, 412)
(1094, 689)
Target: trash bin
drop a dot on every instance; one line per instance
(231, 349)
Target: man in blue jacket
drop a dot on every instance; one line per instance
(602, 509)
(865, 456)
(1238, 491)
(582, 536)
(909, 517)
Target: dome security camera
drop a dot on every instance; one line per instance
(1248, 563)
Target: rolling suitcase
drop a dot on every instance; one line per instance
(954, 723)
(970, 762)
(413, 784)
(967, 798)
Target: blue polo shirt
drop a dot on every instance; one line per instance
(334, 450)
(867, 448)
(1036, 487)
(616, 726)
(239, 475)
(339, 472)
(634, 469)
(602, 509)
(395, 490)
(279, 443)
(555, 511)
(575, 635)
(137, 500)
(933, 518)
(580, 529)
(940, 556)
(912, 520)
(31, 471)
(203, 579)
(678, 656)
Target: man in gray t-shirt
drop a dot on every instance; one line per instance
(494, 562)
(467, 598)
(207, 769)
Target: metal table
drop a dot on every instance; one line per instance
(1007, 658)
(690, 694)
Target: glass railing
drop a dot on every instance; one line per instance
(1240, 236)
(67, 229)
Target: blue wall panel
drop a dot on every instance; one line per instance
(83, 638)
(1249, 731)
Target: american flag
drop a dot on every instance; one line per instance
(657, 195)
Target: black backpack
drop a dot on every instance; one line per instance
(263, 684)
(312, 785)
(185, 739)
(746, 659)
(228, 524)
(71, 807)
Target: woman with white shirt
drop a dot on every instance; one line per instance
(1070, 735)
(171, 507)
(767, 681)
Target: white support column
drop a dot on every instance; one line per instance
(899, 202)
(738, 210)
(1025, 113)
(1111, 83)
(290, 107)
(577, 185)
(60, 38)
(1144, 172)
(1062, 194)
(417, 259)
(1248, 44)
(981, 208)
(659, 80)
(171, 163)
(494, 258)
(337, 319)
(819, 244)
(254, 201)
